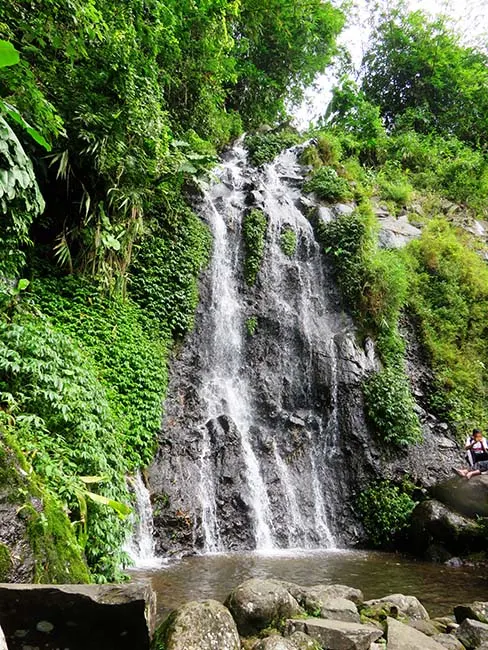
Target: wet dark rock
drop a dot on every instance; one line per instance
(257, 604)
(472, 634)
(437, 532)
(78, 617)
(205, 625)
(477, 611)
(339, 635)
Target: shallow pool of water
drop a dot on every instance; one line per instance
(439, 587)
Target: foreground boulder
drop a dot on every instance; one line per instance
(408, 606)
(469, 498)
(256, 604)
(304, 642)
(340, 609)
(337, 635)
(78, 617)
(205, 625)
(404, 637)
(477, 611)
(275, 643)
(449, 641)
(472, 634)
(313, 599)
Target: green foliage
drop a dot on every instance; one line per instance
(390, 407)
(393, 184)
(20, 200)
(252, 325)
(5, 561)
(385, 511)
(165, 273)
(254, 231)
(264, 147)
(63, 424)
(449, 294)
(288, 241)
(130, 360)
(421, 76)
(328, 185)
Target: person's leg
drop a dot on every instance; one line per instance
(474, 472)
(461, 472)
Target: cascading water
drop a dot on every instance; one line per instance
(255, 419)
(140, 547)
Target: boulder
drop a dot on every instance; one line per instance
(340, 609)
(275, 643)
(477, 611)
(206, 625)
(468, 498)
(337, 635)
(257, 603)
(434, 524)
(404, 637)
(472, 634)
(429, 628)
(316, 597)
(304, 642)
(78, 617)
(449, 641)
(343, 209)
(409, 606)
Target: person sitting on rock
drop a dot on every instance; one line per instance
(477, 450)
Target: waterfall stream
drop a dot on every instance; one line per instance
(140, 547)
(251, 446)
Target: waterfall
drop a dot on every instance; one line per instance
(252, 450)
(140, 547)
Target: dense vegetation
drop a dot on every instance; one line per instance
(109, 112)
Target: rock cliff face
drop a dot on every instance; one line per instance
(264, 441)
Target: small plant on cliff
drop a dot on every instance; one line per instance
(328, 185)
(390, 407)
(251, 325)
(264, 147)
(288, 241)
(254, 230)
(385, 512)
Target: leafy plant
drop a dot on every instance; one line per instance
(251, 325)
(254, 230)
(288, 241)
(328, 185)
(385, 511)
(264, 147)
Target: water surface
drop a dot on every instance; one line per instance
(439, 587)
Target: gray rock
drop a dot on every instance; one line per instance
(337, 635)
(99, 617)
(304, 642)
(409, 606)
(275, 643)
(429, 628)
(256, 604)
(433, 523)
(396, 232)
(324, 215)
(206, 625)
(449, 641)
(472, 634)
(315, 597)
(477, 611)
(340, 609)
(469, 498)
(343, 209)
(404, 637)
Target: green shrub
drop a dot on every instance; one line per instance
(328, 185)
(251, 325)
(288, 241)
(5, 562)
(385, 511)
(393, 185)
(264, 147)
(254, 230)
(390, 407)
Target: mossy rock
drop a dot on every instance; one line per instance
(5, 562)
